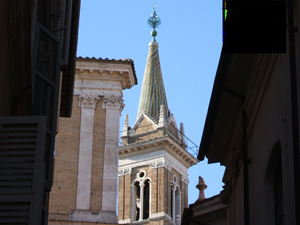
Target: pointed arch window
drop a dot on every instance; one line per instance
(140, 197)
(175, 201)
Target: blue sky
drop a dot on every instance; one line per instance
(190, 42)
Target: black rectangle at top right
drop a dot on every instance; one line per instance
(254, 26)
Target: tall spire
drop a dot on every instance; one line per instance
(153, 93)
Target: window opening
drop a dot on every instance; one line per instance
(146, 200)
(175, 201)
(140, 197)
(172, 202)
(137, 201)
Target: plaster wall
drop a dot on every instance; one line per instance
(272, 123)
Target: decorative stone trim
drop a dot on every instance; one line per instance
(113, 102)
(125, 171)
(185, 179)
(88, 100)
(160, 215)
(173, 146)
(127, 74)
(157, 164)
(87, 216)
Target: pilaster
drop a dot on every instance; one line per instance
(113, 106)
(87, 102)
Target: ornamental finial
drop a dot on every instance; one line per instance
(154, 21)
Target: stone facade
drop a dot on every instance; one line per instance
(86, 160)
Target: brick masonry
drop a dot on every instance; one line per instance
(63, 194)
(97, 162)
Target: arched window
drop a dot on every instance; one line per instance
(175, 201)
(140, 197)
(146, 199)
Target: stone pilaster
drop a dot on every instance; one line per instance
(87, 103)
(113, 106)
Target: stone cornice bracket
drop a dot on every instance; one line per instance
(113, 102)
(88, 100)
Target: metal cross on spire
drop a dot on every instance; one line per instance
(154, 21)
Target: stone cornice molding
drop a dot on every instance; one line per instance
(162, 141)
(113, 102)
(161, 163)
(88, 100)
(125, 171)
(157, 164)
(123, 72)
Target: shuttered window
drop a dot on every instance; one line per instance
(22, 169)
(45, 87)
(62, 26)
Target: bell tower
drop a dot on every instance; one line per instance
(153, 161)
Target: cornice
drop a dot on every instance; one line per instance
(112, 61)
(91, 69)
(172, 146)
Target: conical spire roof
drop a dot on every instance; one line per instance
(153, 93)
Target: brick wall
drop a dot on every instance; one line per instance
(97, 161)
(63, 194)
(121, 196)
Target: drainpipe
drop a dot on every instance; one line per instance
(246, 161)
(294, 102)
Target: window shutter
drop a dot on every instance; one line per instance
(22, 169)
(62, 26)
(45, 88)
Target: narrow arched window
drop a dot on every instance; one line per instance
(146, 199)
(140, 197)
(175, 201)
(177, 206)
(135, 201)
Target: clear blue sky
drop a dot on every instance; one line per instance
(190, 42)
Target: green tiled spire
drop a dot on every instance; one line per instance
(153, 93)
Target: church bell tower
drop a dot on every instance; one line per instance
(153, 161)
